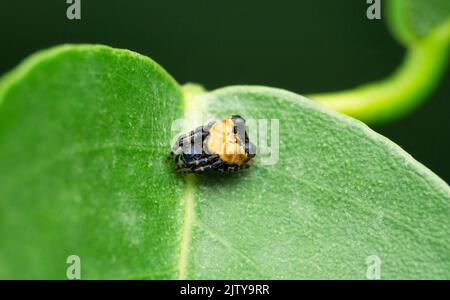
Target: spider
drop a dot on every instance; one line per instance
(221, 146)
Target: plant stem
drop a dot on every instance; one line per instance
(378, 102)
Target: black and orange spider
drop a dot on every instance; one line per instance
(221, 146)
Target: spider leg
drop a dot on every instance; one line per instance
(190, 137)
(185, 138)
(203, 161)
(205, 168)
(181, 164)
(204, 130)
(208, 126)
(250, 149)
(191, 133)
(191, 144)
(234, 168)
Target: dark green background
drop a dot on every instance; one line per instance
(305, 46)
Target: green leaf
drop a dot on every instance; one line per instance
(424, 29)
(84, 132)
(412, 20)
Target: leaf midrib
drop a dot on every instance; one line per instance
(194, 105)
(186, 228)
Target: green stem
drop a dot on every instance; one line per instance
(425, 63)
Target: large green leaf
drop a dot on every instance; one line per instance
(84, 131)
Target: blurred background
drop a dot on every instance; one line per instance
(304, 46)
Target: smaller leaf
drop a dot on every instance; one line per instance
(412, 20)
(424, 28)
